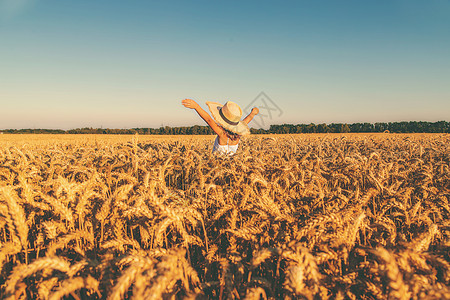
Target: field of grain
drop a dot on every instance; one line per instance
(289, 217)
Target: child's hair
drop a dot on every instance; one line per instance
(231, 135)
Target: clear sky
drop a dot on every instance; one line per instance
(124, 64)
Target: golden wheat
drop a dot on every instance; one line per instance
(331, 216)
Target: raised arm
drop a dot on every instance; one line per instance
(250, 116)
(189, 103)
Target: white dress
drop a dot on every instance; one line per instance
(224, 149)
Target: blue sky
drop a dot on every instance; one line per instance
(123, 64)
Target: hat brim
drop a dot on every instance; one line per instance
(241, 128)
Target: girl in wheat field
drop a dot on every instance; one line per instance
(226, 124)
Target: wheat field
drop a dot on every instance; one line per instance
(330, 216)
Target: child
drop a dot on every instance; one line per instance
(227, 123)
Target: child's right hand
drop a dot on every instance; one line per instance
(189, 103)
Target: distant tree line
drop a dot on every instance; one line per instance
(394, 127)
(27, 131)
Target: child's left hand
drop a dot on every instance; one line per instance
(189, 103)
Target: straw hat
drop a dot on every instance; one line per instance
(228, 116)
